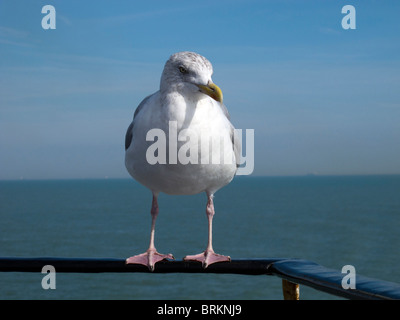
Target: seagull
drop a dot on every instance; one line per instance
(189, 102)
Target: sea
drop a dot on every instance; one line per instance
(331, 220)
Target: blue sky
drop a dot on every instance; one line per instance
(321, 99)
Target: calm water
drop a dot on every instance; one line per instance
(333, 221)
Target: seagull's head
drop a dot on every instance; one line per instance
(189, 73)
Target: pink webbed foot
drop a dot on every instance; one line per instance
(207, 257)
(149, 258)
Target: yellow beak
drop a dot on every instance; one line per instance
(211, 90)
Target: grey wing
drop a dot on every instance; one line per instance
(237, 146)
(225, 111)
(236, 141)
(128, 135)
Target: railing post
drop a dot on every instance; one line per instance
(291, 291)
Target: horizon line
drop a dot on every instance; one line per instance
(308, 175)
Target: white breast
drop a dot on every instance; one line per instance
(211, 166)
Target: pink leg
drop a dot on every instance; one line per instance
(208, 256)
(151, 256)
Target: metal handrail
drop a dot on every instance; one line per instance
(292, 271)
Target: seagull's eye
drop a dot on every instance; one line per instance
(182, 70)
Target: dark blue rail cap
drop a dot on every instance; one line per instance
(329, 280)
